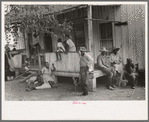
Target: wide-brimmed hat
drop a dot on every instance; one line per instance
(103, 49)
(82, 49)
(116, 48)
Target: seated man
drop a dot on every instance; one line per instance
(130, 73)
(104, 67)
(116, 64)
(116, 60)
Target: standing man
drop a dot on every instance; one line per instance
(104, 67)
(85, 66)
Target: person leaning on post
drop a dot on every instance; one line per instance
(85, 66)
(104, 67)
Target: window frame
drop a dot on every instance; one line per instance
(113, 34)
(84, 35)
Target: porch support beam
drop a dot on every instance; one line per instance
(103, 20)
(90, 28)
(26, 42)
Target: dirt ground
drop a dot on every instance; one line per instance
(15, 91)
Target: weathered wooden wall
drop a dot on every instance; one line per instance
(69, 63)
(105, 13)
(133, 35)
(130, 38)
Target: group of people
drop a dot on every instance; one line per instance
(44, 79)
(64, 47)
(110, 66)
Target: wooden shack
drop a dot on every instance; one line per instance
(95, 26)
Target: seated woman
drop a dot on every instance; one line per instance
(44, 79)
(70, 46)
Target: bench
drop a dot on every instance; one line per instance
(91, 82)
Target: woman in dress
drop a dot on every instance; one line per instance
(47, 78)
(70, 43)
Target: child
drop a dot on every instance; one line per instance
(60, 49)
(47, 77)
(27, 66)
(32, 84)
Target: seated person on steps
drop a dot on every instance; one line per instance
(102, 61)
(116, 64)
(116, 60)
(35, 81)
(130, 73)
(44, 78)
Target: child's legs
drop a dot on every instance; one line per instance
(57, 55)
(60, 55)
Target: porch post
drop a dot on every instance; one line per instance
(26, 42)
(90, 28)
(39, 59)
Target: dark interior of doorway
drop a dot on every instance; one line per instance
(48, 42)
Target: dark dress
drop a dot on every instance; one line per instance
(7, 68)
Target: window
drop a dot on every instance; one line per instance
(106, 35)
(79, 35)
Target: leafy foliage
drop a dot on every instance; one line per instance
(39, 18)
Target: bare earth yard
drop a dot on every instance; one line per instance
(15, 91)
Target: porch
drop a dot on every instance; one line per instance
(70, 67)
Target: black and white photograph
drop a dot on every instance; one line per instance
(77, 53)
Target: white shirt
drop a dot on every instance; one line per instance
(60, 45)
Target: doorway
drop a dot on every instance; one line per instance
(48, 42)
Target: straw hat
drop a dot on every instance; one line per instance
(117, 49)
(103, 49)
